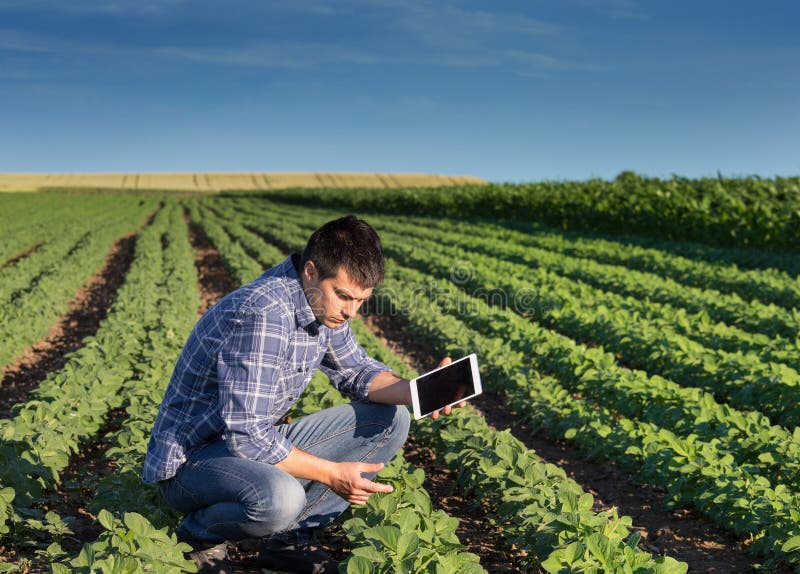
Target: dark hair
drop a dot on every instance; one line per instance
(346, 242)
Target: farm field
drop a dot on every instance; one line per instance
(215, 182)
(641, 391)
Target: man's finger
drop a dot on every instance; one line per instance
(368, 487)
(445, 361)
(370, 467)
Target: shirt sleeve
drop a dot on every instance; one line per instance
(248, 370)
(347, 364)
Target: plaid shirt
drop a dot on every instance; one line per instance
(244, 365)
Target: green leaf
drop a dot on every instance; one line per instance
(387, 535)
(106, 519)
(667, 565)
(791, 545)
(407, 545)
(138, 524)
(359, 565)
(370, 553)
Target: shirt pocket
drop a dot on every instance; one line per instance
(293, 377)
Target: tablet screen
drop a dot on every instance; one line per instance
(445, 386)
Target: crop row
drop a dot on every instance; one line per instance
(65, 234)
(698, 326)
(731, 309)
(692, 471)
(748, 436)
(71, 405)
(30, 219)
(652, 345)
(730, 323)
(742, 380)
(137, 522)
(543, 512)
(768, 285)
(27, 318)
(136, 541)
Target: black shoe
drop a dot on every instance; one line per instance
(297, 558)
(210, 558)
(213, 560)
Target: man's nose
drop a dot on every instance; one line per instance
(351, 309)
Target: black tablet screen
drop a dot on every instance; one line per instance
(445, 386)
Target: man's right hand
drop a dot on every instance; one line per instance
(347, 482)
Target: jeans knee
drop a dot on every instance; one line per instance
(399, 426)
(280, 507)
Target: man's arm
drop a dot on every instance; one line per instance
(344, 478)
(389, 388)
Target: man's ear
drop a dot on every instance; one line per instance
(310, 271)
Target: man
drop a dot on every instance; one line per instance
(217, 451)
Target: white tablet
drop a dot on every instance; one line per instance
(448, 385)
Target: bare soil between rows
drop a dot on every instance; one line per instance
(22, 255)
(682, 534)
(86, 311)
(214, 281)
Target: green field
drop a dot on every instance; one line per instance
(648, 325)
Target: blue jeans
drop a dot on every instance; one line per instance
(226, 497)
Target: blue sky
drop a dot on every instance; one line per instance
(509, 91)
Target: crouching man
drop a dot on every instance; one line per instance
(217, 451)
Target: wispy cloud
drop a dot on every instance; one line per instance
(520, 62)
(92, 6)
(415, 32)
(272, 55)
(454, 28)
(18, 41)
(618, 9)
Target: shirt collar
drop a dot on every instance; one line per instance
(302, 310)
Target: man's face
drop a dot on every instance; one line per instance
(334, 300)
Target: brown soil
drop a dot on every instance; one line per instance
(474, 531)
(681, 534)
(21, 255)
(87, 467)
(87, 309)
(213, 277)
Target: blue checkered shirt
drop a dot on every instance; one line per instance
(244, 365)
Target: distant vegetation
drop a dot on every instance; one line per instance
(737, 212)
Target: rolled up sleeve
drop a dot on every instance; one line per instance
(248, 369)
(347, 364)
